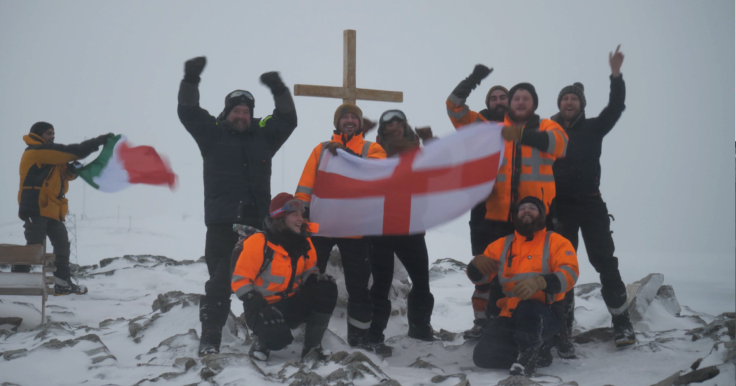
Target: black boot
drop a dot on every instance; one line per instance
(365, 340)
(545, 355)
(314, 332)
(213, 315)
(565, 347)
(422, 332)
(623, 331)
(526, 362)
(258, 352)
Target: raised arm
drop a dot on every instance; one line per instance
(612, 112)
(282, 122)
(197, 121)
(55, 153)
(459, 113)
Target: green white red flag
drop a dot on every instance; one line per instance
(120, 165)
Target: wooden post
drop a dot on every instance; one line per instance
(349, 93)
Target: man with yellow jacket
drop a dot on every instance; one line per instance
(277, 279)
(45, 172)
(348, 136)
(531, 148)
(536, 268)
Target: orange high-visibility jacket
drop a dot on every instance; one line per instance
(358, 145)
(535, 177)
(518, 259)
(272, 283)
(44, 176)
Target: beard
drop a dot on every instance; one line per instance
(520, 118)
(527, 228)
(498, 113)
(239, 125)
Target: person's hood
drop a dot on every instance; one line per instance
(33, 139)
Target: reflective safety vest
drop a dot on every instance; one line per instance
(267, 268)
(519, 259)
(532, 175)
(356, 144)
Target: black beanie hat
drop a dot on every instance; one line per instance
(527, 87)
(231, 102)
(39, 128)
(540, 205)
(577, 89)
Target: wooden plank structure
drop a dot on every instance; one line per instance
(34, 283)
(349, 93)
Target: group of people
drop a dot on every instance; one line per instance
(524, 236)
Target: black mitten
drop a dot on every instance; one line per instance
(193, 69)
(273, 81)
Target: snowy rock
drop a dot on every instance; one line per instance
(140, 324)
(420, 364)
(307, 379)
(442, 378)
(666, 296)
(601, 335)
(10, 324)
(217, 362)
(14, 354)
(588, 290)
(442, 267)
(90, 345)
(186, 362)
(517, 380)
(165, 302)
(641, 293)
(180, 345)
(54, 329)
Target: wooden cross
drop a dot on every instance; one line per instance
(348, 92)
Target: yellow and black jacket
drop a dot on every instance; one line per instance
(45, 176)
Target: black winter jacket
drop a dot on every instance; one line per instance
(579, 173)
(237, 166)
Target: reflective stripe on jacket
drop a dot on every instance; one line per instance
(356, 144)
(272, 283)
(547, 253)
(44, 176)
(535, 177)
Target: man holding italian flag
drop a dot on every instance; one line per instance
(45, 171)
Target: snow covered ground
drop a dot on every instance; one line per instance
(119, 334)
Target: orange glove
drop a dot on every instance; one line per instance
(528, 287)
(512, 133)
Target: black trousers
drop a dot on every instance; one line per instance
(482, 233)
(36, 230)
(357, 269)
(412, 252)
(590, 216)
(215, 304)
(530, 325)
(318, 296)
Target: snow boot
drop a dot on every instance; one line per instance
(422, 332)
(258, 352)
(314, 332)
(526, 362)
(369, 341)
(545, 355)
(68, 287)
(623, 331)
(213, 314)
(565, 347)
(474, 333)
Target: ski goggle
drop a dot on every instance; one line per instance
(290, 206)
(241, 93)
(390, 115)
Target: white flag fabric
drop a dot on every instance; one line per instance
(408, 194)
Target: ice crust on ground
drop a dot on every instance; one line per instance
(139, 325)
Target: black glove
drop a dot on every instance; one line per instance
(271, 328)
(480, 72)
(273, 81)
(71, 168)
(102, 140)
(193, 69)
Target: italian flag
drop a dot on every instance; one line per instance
(120, 165)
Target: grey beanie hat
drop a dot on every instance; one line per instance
(578, 89)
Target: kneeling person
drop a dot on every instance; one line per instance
(536, 268)
(277, 279)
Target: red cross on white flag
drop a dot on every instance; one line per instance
(408, 194)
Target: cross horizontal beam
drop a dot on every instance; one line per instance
(348, 94)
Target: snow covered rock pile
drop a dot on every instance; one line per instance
(139, 325)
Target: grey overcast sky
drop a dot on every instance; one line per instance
(92, 67)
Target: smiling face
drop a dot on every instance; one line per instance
(348, 123)
(569, 107)
(498, 101)
(521, 107)
(239, 118)
(294, 221)
(393, 130)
